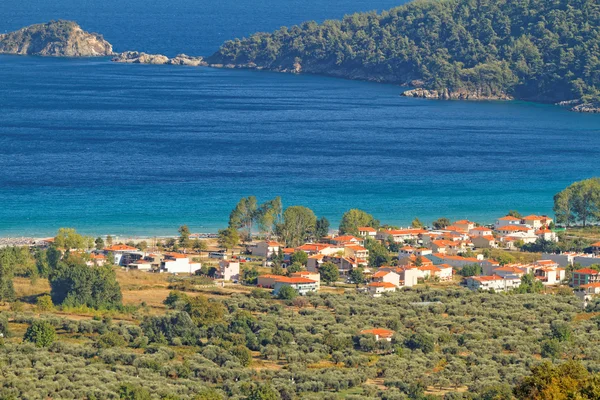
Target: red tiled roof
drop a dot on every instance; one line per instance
(366, 229)
(285, 279)
(379, 332)
(587, 271)
(382, 284)
(120, 247)
(509, 218)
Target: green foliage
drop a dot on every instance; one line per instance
(441, 223)
(287, 293)
(8, 260)
(378, 253)
(551, 349)
(242, 354)
(250, 275)
(44, 303)
(244, 215)
(329, 273)
(357, 276)
(299, 257)
(570, 380)
(204, 311)
(321, 228)
(580, 201)
(208, 394)
(295, 267)
(41, 333)
(298, 225)
(355, 218)
(471, 270)
(68, 238)
(421, 341)
(536, 50)
(4, 327)
(128, 391)
(167, 328)
(184, 237)
(417, 224)
(110, 339)
(99, 242)
(176, 300)
(75, 284)
(228, 238)
(529, 285)
(263, 392)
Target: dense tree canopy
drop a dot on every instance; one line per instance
(580, 201)
(542, 50)
(298, 225)
(355, 218)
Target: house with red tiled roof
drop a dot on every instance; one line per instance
(484, 242)
(376, 289)
(480, 231)
(356, 251)
(367, 232)
(386, 276)
(413, 260)
(536, 221)
(509, 271)
(595, 247)
(300, 284)
(546, 234)
(464, 224)
(123, 254)
(380, 334)
(344, 240)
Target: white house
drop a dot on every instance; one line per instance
(177, 263)
(123, 254)
(229, 270)
(464, 224)
(495, 282)
(484, 242)
(536, 221)
(367, 232)
(507, 220)
(480, 231)
(377, 288)
(387, 276)
(302, 285)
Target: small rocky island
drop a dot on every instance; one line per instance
(56, 39)
(135, 57)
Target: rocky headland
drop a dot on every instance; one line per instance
(56, 39)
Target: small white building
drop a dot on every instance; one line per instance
(495, 282)
(229, 270)
(367, 232)
(177, 263)
(376, 289)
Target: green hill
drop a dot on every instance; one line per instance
(539, 50)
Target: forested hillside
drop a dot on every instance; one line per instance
(540, 50)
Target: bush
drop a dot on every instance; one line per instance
(420, 341)
(41, 333)
(128, 391)
(44, 303)
(287, 293)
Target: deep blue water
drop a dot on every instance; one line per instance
(138, 149)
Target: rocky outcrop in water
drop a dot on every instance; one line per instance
(55, 38)
(461, 94)
(587, 108)
(135, 57)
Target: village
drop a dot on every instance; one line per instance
(456, 254)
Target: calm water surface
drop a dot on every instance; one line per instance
(136, 149)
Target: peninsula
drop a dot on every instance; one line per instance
(536, 50)
(55, 38)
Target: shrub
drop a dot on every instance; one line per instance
(44, 303)
(128, 391)
(41, 333)
(287, 293)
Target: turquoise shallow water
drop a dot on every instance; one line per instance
(134, 149)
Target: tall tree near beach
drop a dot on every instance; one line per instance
(441, 223)
(298, 225)
(322, 228)
(244, 214)
(268, 215)
(417, 224)
(353, 219)
(580, 201)
(184, 237)
(228, 238)
(7, 268)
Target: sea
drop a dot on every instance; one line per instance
(139, 150)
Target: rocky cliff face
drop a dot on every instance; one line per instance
(56, 38)
(460, 94)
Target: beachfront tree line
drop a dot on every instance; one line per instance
(579, 202)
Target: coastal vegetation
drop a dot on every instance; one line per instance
(540, 50)
(580, 202)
